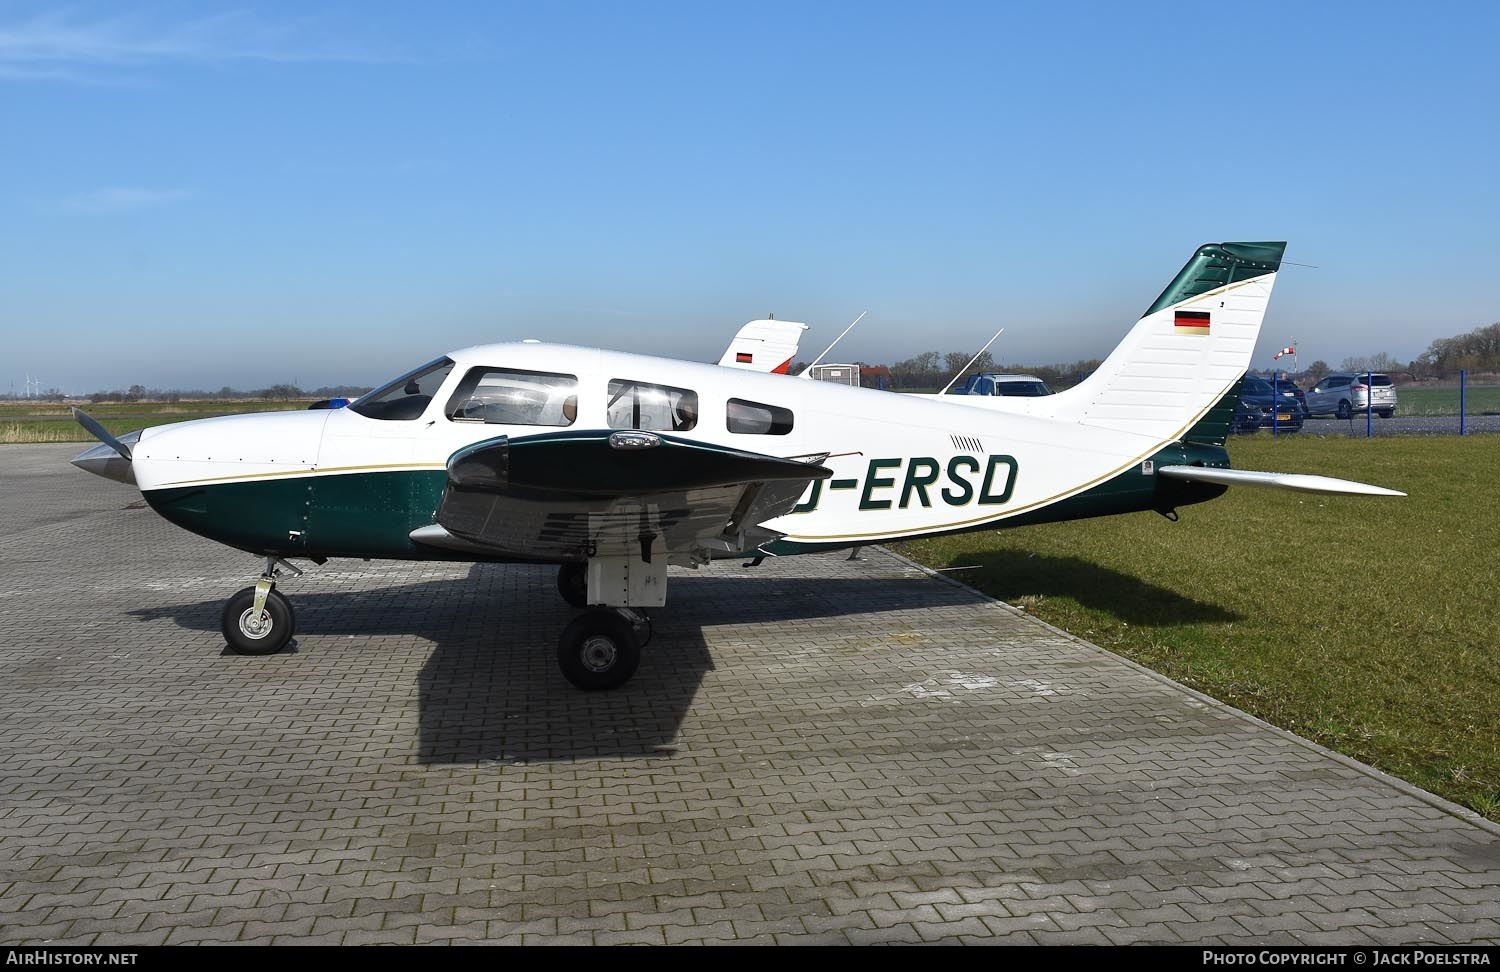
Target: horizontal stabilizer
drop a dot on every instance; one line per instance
(1297, 482)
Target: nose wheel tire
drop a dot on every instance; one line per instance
(573, 584)
(598, 651)
(266, 634)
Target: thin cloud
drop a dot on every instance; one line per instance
(65, 47)
(122, 199)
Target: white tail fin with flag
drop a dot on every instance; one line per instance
(1185, 353)
(768, 345)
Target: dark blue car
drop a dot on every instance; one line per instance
(1261, 407)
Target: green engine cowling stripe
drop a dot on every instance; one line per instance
(352, 515)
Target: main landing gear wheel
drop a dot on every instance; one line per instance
(573, 584)
(599, 650)
(266, 634)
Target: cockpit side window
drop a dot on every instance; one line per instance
(406, 398)
(754, 418)
(657, 408)
(506, 396)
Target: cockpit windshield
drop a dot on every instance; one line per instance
(406, 398)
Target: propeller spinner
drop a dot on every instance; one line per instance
(112, 458)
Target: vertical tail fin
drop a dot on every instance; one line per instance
(1187, 352)
(767, 345)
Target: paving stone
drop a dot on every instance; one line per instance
(817, 750)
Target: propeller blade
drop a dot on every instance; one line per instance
(100, 432)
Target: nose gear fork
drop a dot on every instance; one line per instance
(259, 620)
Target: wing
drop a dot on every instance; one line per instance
(568, 496)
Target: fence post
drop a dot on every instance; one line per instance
(1369, 405)
(1275, 404)
(1463, 409)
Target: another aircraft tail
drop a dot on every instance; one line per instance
(768, 345)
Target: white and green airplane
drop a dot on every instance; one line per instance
(614, 466)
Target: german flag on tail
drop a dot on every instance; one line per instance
(1191, 322)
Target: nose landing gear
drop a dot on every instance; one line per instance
(598, 651)
(259, 620)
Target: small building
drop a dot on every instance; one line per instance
(839, 374)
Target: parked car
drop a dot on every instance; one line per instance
(1259, 407)
(1288, 389)
(1015, 386)
(1346, 392)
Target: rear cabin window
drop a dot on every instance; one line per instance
(654, 408)
(753, 418)
(505, 396)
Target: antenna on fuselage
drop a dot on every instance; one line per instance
(971, 361)
(807, 372)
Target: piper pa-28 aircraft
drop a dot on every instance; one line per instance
(614, 466)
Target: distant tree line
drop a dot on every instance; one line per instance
(1478, 350)
(933, 369)
(275, 393)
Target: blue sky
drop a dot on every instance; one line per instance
(194, 195)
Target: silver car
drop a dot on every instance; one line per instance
(1346, 393)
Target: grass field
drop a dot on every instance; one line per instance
(1368, 625)
(52, 422)
(1478, 400)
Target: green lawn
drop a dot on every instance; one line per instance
(1368, 625)
(52, 422)
(1478, 400)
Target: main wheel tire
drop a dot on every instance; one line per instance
(1344, 410)
(573, 584)
(598, 651)
(247, 635)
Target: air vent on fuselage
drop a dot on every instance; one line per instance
(966, 443)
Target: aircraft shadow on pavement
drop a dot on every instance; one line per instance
(490, 690)
(1010, 576)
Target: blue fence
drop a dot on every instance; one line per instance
(1453, 403)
